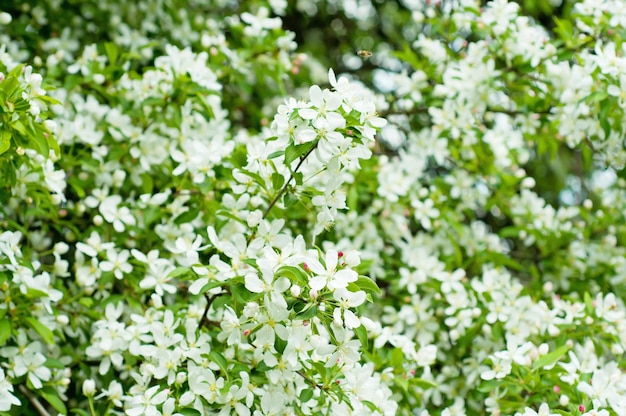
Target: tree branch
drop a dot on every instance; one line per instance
(34, 401)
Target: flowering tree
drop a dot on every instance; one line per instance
(199, 215)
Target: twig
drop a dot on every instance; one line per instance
(312, 383)
(35, 401)
(286, 185)
(209, 301)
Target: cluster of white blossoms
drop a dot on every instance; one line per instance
(195, 219)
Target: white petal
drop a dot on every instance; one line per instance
(254, 284)
(195, 287)
(351, 320)
(331, 77)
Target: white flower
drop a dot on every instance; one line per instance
(117, 263)
(145, 404)
(114, 393)
(544, 410)
(9, 245)
(424, 212)
(328, 275)
(157, 277)
(259, 23)
(500, 367)
(7, 399)
(325, 103)
(426, 355)
(113, 213)
(346, 301)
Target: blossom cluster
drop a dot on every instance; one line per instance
(197, 216)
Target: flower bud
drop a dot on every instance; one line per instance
(56, 199)
(295, 290)
(61, 248)
(5, 18)
(157, 301)
(89, 387)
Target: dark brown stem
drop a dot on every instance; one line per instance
(209, 302)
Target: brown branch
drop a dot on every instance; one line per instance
(209, 302)
(35, 401)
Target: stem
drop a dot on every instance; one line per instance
(312, 383)
(35, 402)
(91, 408)
(284, 188)
(209, 301)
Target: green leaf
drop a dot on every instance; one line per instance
(353, 198)
(243, 295)
(5, 141)
(147, 183)
(228, 214)
(52, 397)
(595, 97)
(361, 334)
(179, 271)
(41, 329)
(307, 313)
(277, 180)
(18, 126)
(564, 29)
(188, 411)
(402, 382)
(15, 72)
(211, 285)
(54, 363)
(86, 302)
(80, 412)
(298, 178)
(40, 141)
(219, 359)
(294, 274)
(420, 382)
(255, 177)
(397, 358)
(290, 200)
(371, 406)
(321, 369)
(305, 395)
(409, 56)
(368, 285)
(187, 216)
(488, 386)
(35, 293)
(280, 345)
(276, 154)
(5, 331)
(151, 214)
(550, 358)
(588, 303)
(293, 152)
(76, 185)
(111, 51)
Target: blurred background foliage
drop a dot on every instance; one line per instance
(328, 33)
